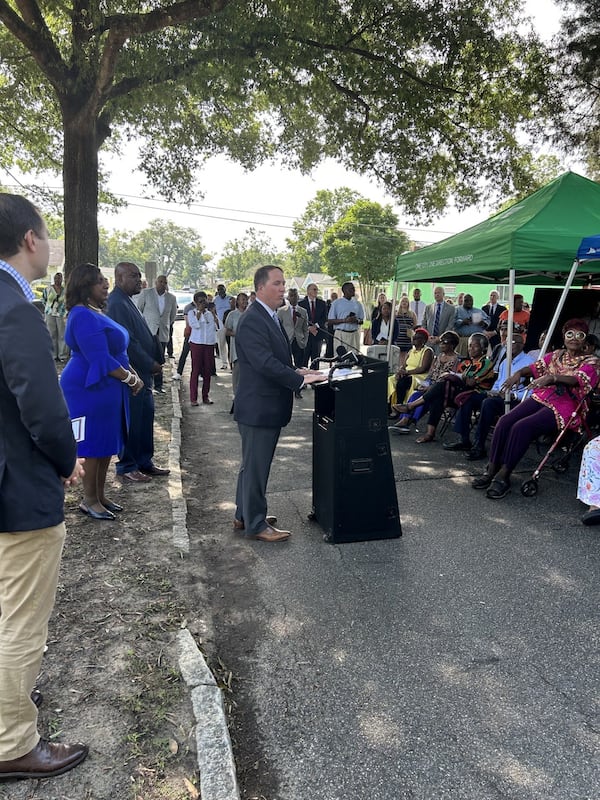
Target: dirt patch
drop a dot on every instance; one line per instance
(110, 675)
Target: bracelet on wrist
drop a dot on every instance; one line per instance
(126, 378)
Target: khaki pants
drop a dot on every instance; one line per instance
(29, 564)
(56, 326)
(349, 338)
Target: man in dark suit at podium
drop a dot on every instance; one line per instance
(317, 323)
(263, 401)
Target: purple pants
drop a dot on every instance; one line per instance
(516, 430)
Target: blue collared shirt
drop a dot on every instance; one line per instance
(522, 360)
(469, 328)
(23, 283)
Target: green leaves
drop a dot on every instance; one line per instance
(366, 240)
(429, 97)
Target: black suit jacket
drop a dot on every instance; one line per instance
(267, 379)
(142, 350)
(320, 311)
(37, 447)
(494, 321)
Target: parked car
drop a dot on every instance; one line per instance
(183, 299)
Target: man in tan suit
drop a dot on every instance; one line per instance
(294, 320)
(159, 308)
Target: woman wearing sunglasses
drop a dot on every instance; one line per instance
(561, 380)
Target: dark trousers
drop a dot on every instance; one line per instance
(158, 378)
(258, 449)
(183, 357)
(434, 401)
(139, 445)
(203, 364)
(170, 342)
(330, 340)
(297, 354)
(462, 420)
(491, 409)
(516, 430)
(313, 348)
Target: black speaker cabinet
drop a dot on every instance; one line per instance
(354, 490)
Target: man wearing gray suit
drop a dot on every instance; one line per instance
(438, 317)
(159, 308)
(263, 401)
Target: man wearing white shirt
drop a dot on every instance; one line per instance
(222, 303)
(347, 315)
(417, 306)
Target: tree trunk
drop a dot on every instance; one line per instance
(80, 181)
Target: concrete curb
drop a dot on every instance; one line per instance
(218, 778)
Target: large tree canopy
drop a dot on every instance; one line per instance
(323, 210)
(364, 244)
(579, 50)
(429, 97)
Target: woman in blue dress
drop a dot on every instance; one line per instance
(96, 383)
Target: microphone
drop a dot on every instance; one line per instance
(337, 339)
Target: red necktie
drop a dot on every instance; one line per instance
(312, 310)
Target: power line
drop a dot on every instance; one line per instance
(167, 207)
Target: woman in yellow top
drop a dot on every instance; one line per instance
(418, 363)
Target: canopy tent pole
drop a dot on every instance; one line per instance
(392, 320)
(509, 334)
(559, 308)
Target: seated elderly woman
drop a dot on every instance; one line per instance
(418, 364)
(443, 364)
(472, 374)
(561, 381)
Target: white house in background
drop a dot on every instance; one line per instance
(326, 284)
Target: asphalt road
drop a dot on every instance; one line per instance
(460, 661)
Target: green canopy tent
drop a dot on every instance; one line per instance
(537, 238)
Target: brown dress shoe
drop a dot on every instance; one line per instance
(46, 760)
(238, 524)
(134, 477)
(155, 471)
(272, 535)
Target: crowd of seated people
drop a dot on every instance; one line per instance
(473, 374)
(561, 381)
(539, 398)
(490, 404)
(444, 363)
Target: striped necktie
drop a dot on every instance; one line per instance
(436, 323)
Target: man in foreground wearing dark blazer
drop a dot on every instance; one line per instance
(263, 401)
(135, 463)
(38, 457)
(317, 323)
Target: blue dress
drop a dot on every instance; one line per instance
(98, 346)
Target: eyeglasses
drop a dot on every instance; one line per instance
(579, 335)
